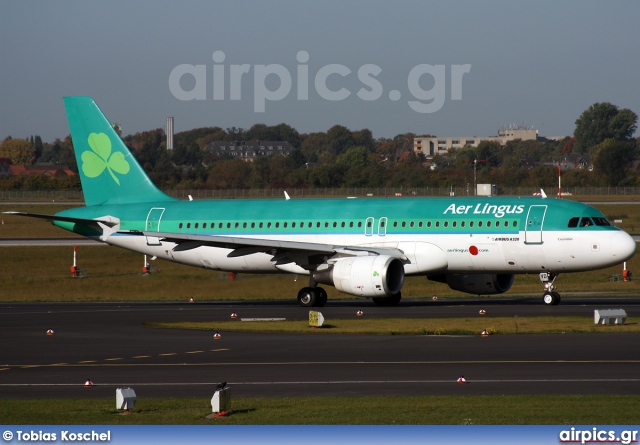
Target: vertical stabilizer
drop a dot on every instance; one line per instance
(108, 171)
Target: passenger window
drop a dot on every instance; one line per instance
(277, 225)
(335, 224)
(420, 224)
(311, 224)
(488, 223)
(360, 224)
(395, 224)
(237, 225)
(326, 224)
(342, 224)
(429, 224)
(573, 222)
(446, 223)
(454, 223)
(285, 225)
(404, 224)
(368, 223)
(317, 224)
(244, 225)
(470, 223)
(180, 226)
(188, 225)
(411, 225)
(293, 225)
(261, 225)
(479, 223)
(351, 224)
(253, 225)
(228, 225)
(220, 226)
(437, 223)
(204, 225)
(268, 225)
(462, 224)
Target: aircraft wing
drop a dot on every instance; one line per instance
(245, 246)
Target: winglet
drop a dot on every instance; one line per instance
(286, 195)
(544, 195)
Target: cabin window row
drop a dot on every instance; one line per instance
(343, 224)
(455, 224)
(269, 225)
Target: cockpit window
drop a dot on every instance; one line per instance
(600, 221)
(586, 222)
(573, 222)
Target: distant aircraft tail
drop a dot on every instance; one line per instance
(108, 171)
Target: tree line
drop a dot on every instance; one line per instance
(603, 140)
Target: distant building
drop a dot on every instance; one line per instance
(249, 150)
(54, 170)
(432, 146)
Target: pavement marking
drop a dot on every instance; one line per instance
(114, 359)
(142, 356)
(166, 355)
(194, 352)
(88, 361)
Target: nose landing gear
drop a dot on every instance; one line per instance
(550, 297)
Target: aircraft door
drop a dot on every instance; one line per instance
(534, 224)
(382, 226)
(368, 228)
(153, 225)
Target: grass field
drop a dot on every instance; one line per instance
(355, 410)
(416, 326)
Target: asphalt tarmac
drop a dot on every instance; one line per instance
(108, 344)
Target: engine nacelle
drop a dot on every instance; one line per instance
(365, 276)
(479, 284)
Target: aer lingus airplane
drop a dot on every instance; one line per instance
(363, 247)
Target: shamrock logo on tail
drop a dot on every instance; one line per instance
(94, 162)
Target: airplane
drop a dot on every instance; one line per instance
(362, 247)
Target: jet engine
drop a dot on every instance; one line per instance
(479, 284)
(364, 276)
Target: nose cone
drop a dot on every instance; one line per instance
(623, 246)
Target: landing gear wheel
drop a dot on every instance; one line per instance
(393, 300)
(307, 297)
(551, 298)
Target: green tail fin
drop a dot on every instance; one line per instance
(108, 171)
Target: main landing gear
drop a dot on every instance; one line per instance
(312, 297)
(550, 297)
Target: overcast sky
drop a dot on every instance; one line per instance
(504, 62)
